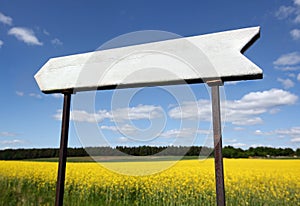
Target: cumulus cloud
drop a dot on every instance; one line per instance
(192, 110)
(5, 19)
(125, 129)
(293, 133)
(292, 12)
(288, 59)
(1, 43)
(244, 111)
(84, 116)
(137, 113)
(295, 33)
(118, 115)
(286, 83)
(25, 35)
(298, 77)
(284, 12)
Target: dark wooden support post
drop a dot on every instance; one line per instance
(217, 131)
(60, 184)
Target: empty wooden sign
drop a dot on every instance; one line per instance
(195, 59)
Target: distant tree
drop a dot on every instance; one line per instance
(298, 152)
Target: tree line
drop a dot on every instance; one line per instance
(228, 152)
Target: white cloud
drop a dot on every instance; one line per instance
(1, 43)
(297, 2)
(239, 112)
(124, 129)
(288, 68)
(180, 133)
(297, 139)
(111, 128)
(26, 35)
(124, 139)
(21, 94)
(284, 12)
(292, 75)
(238, 128)
(288, 59)
(57, 95)
(7, 134)
(5, 19)
(286, 83)
(261, 145)
(56, 41)
(259, 132)
(297, 19)
(11, 142)
(232, 83)
(192, 110)
(228, 141)
(118, 115)
(295, 33)
(38, 96)
(274, 111)
(247, 121)
(84, 116)
(137, 113)
(46, 32)
(298, 77)
(293, 12)
(265, 99)
(238, 145)
(293, 133)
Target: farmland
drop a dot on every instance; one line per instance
(187, 182)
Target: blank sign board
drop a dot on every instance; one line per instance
(196, 59)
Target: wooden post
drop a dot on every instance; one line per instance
(63, 150)
(217, 131)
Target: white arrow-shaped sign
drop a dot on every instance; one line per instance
(195, 59)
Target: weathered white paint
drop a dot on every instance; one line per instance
(192, 59)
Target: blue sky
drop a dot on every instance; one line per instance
(258, 113)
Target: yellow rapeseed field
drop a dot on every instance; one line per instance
(188, 182)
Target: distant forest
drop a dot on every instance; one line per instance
(228, 152)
